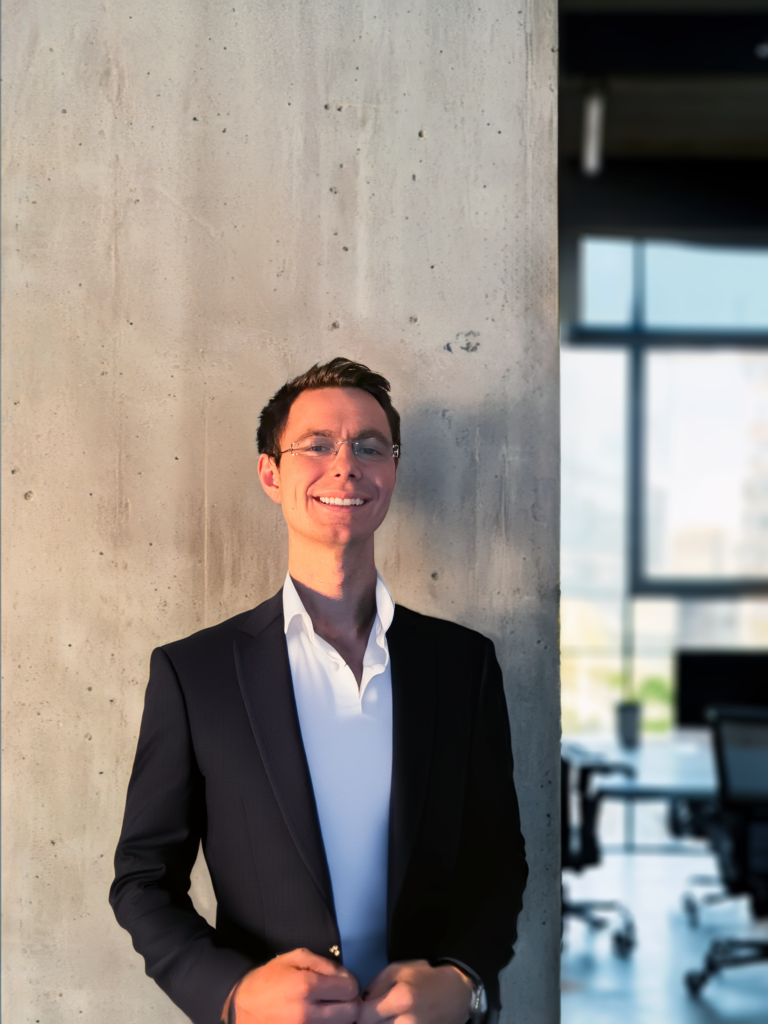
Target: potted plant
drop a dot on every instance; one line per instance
(628, 713)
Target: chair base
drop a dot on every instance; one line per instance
(592, 912)
(693, 905)
(726, 953)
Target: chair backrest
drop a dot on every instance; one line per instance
(741, 746)
(578, 832)
(579, 846)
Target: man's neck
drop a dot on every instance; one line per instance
(338, 589)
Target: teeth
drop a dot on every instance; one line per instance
(342, 501)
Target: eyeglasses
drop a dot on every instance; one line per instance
(367, 449)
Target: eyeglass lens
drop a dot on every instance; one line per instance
(368, 449)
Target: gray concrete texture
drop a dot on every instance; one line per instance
(201, 200)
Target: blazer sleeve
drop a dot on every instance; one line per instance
(165, 819)
(492, 869)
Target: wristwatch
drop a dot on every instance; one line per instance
(479, 1004)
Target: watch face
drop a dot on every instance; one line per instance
(479, 1004)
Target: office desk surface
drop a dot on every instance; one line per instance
(677, 764)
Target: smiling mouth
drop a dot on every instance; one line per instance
(341, 501)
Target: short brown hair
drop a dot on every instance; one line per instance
(338, 373)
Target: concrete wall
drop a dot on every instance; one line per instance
(202, 199)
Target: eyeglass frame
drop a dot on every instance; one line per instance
(295, 451)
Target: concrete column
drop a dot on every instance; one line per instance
(201, 200)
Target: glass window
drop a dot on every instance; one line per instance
(704, 287)
(706, 472)
(699, 415)
(651, 284)
(593, 390)
(606, 269)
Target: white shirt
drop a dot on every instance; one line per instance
(347, 734)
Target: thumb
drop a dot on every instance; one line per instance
(306, 960)
(380, 983)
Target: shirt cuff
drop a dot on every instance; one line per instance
(473, 975)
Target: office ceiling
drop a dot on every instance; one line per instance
(712, 103)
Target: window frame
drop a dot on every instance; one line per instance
(638, 342)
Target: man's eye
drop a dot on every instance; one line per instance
(319, 449)
(368, 451)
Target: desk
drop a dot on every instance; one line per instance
(677, 765)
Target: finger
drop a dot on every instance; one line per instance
(305, 959)
(336, 1013)
(336, 988)
(397, 1001)
(368, 1013)
(382, 982)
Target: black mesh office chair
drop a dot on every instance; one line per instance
(739, 832)
(579, 843)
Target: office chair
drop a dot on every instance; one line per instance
(739, 833)
(579, 844)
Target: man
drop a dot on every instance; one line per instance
(345, 762)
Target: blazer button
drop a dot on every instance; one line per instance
(334, 950)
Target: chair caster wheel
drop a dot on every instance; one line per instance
(694, 981)
(691, 911)
(623, 944)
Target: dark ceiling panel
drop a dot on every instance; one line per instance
(688, 44)
(658, 195)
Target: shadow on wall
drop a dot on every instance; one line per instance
(472, 497)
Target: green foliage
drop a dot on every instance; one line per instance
(655, 693)
(655, 690)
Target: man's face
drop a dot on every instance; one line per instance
(300, 482)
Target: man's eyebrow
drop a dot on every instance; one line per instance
(361, 435)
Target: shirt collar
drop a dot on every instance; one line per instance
(293, 607)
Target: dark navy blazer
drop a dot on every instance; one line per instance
(220, 760)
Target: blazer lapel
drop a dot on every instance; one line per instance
(264, 672)
(414, 686)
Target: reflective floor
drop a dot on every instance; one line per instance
(599, 987)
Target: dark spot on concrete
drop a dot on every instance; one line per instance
(414, 319)
(194, 118)
(29, 496)
(422, 133)
(335, 324)
(335, 191)
(345, 248)
(434, 575)
(470, 345)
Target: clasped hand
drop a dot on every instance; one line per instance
(302, 988)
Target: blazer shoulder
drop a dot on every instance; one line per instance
(223, 633)
(442, 630)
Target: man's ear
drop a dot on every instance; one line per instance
(269, 475)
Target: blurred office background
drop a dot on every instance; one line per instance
(664, 262)
(664, 320)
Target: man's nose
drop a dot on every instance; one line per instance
(346, 462)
